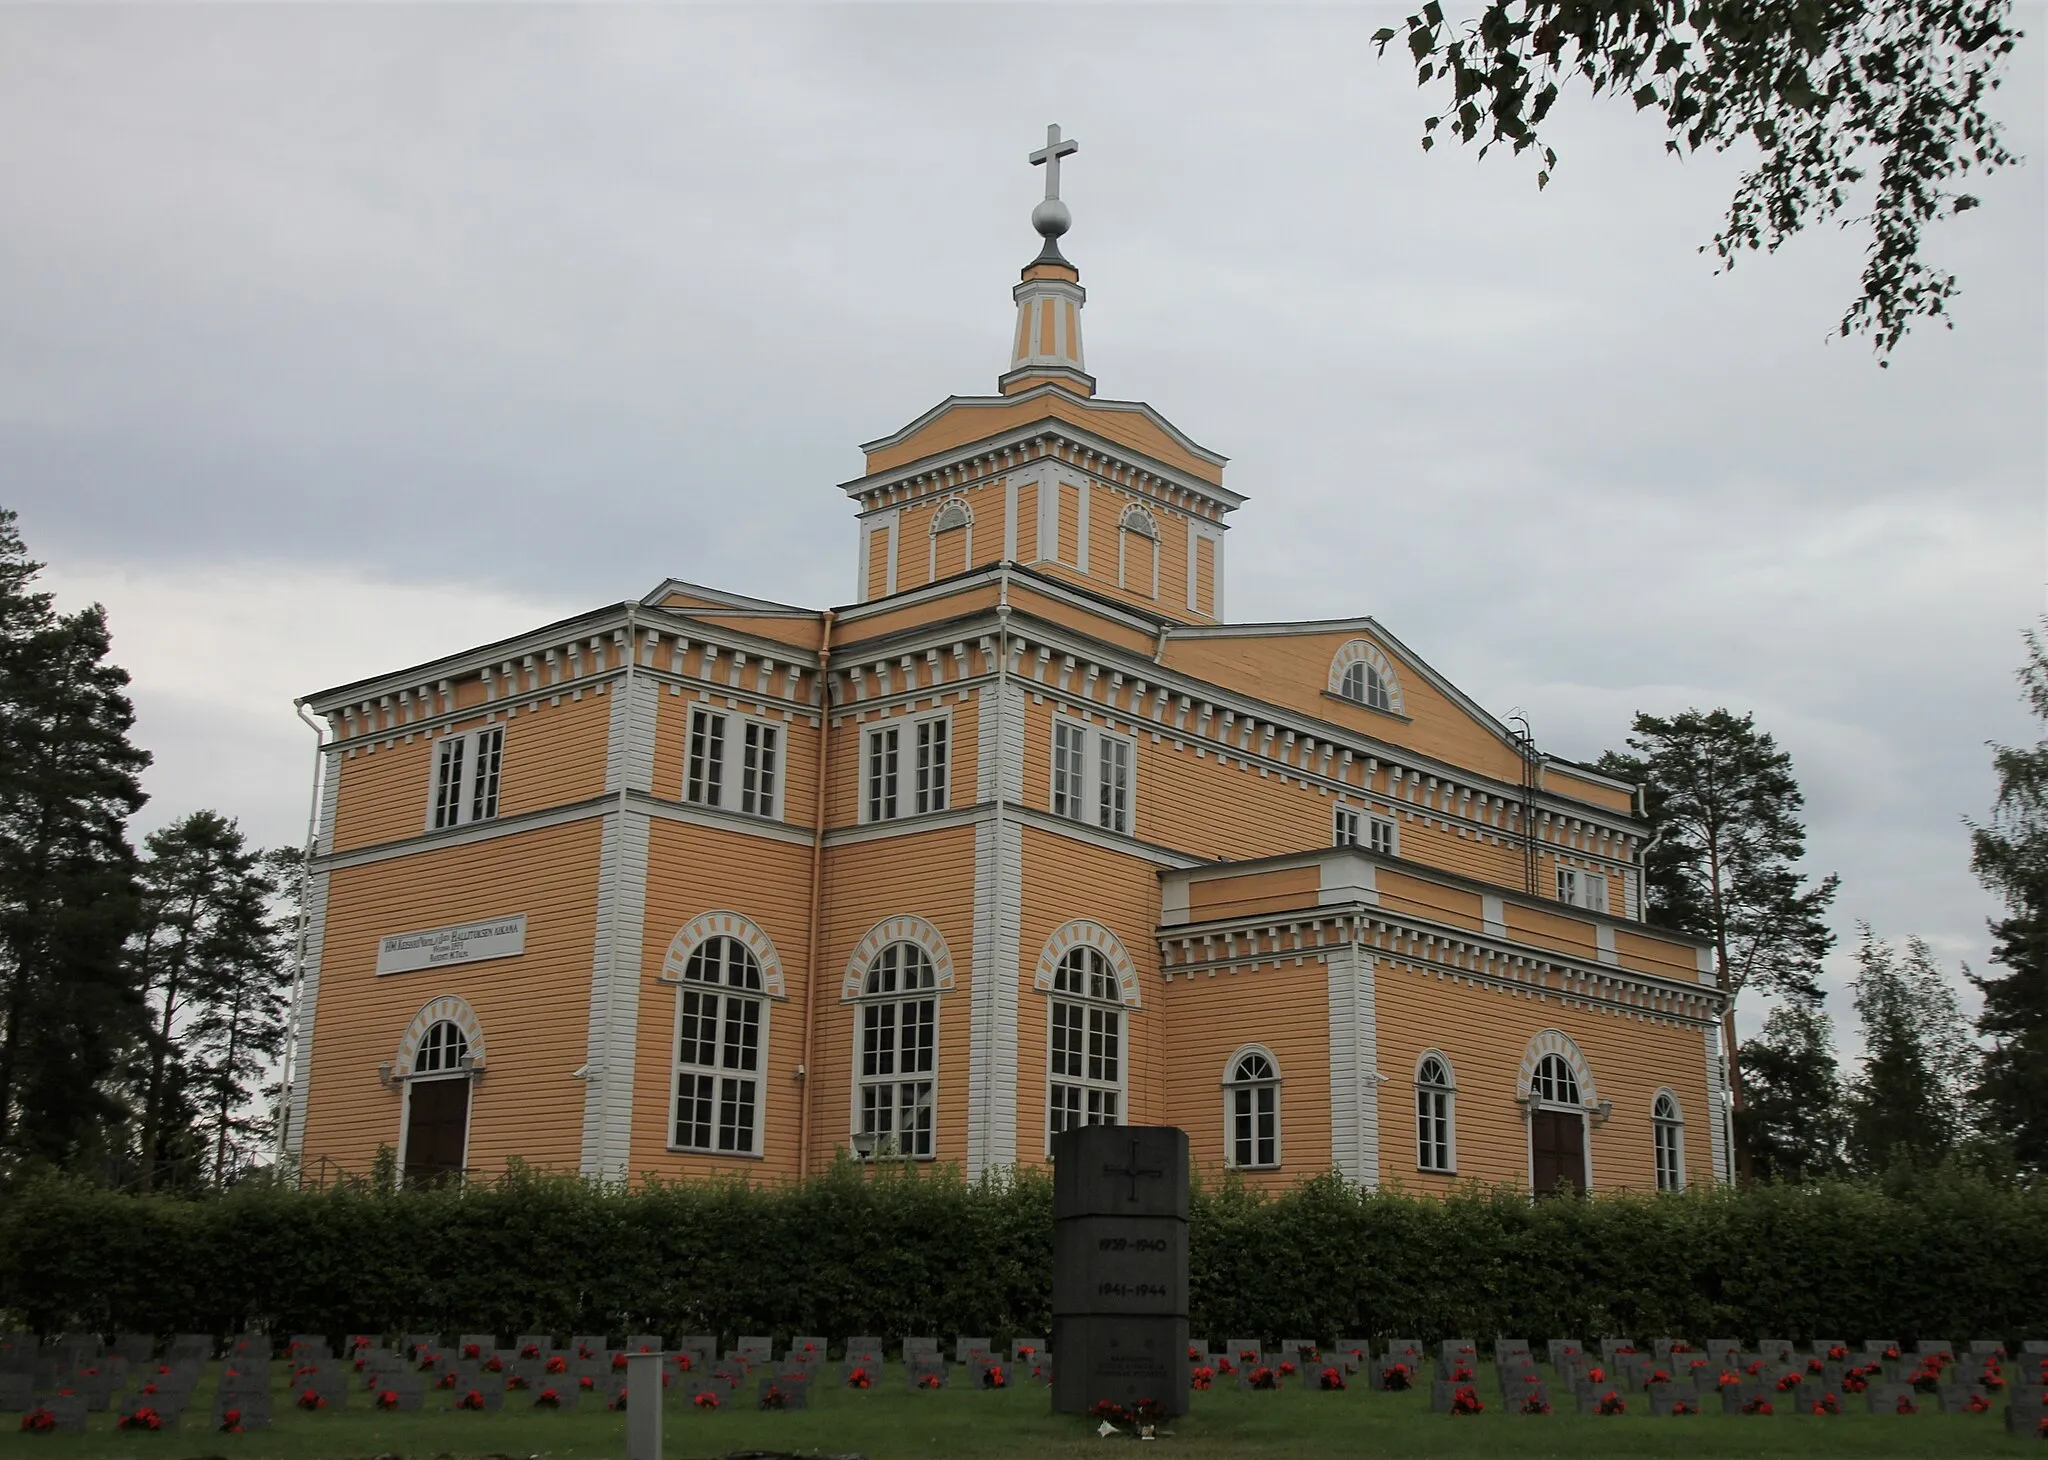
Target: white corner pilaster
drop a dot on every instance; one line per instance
(306, 1005)
(1354, 1066)
(614, 996)
(1717, 1102)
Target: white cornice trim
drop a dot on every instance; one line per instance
(1136, 407)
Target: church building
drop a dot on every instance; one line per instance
(1029, 835)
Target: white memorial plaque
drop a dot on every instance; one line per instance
(462, 943)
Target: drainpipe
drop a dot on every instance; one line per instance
(803, 1070)
(291, 1039)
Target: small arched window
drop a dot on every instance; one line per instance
(1362, 683)
(1087, 1023)
(952, 546)
(1137, 552)
(1667, 1124)
(443, 1050)
(1554, 1083)
(1435, 1114)
(1252, 1106)
(718, 1049)
(899, 1034)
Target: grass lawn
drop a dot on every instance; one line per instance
(890, 1422)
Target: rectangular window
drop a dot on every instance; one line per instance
(1670, 1172)
(718, 1059)
(466, 778)
(932, 764)
(898, 1044)
(1433, 1130)
(1087, 1066)
(1382, 833)
(1346, 829)
(1255, 1125)
(704, 780)
(1582, 888)
(881, 773)
(757, 769)
(1114, 802)
(1069, 750)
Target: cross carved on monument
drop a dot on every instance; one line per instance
(1050, 155)
(1131, 1170)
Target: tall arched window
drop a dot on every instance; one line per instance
(1557, 1128)
(1251, 1096)
(1087, 1025)
(899, 1035)
(718, 1050)
(952, 549)
(1667, 1124)
(1554, 1083)
(1435, 1114)
(1137, 552)
(1363, 684)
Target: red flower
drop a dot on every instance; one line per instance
(1465, 1400)
(446, 1381)
(1193, 1353)
(583, 1351)
(586, 1382)
(1976, 1404)
(39, 1421)
(682, 1363)
(496, 1365)
(1754, 1367)
(530, 1351)
(1249, 1356)
(1611, 1403)
(1625, 1348)
(618, 1362)
(1891, 1351)
(231, 1422)
(310, 1399)
(147, 1389)
(1224, 1366)
(1679, 1406)
(1108, 1409)
(1757, 1404)
(427, 1360)
(1201, 1378)
(1827, 1404)
(472, 1351)
(1814, 1365)
(1789, 1382)
(144, 1418)
(1659, 1376)
(1837, 1353)
(773, 1398)
(927, 1381)
(1535, 1404)
(1330, 1378)
(1594, 1375)
(547, 1399)
(1396, 1376)
(1150, 1412)
(517, 1381)
(557, 1365)
(1681, 1348)
(1907, 1406)
(474, 1399)
(1853, 1382)
(1286, 1368)
(1025, 1351)
(705, 1399)
(1263, 1378)
(387, 1399)
(993, 1377)
(1726, 1380)
(859, 1379)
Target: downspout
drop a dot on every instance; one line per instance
(803, 1070)
(291, 1039)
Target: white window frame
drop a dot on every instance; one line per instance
(755, 736)
(718, 1071)
(1582, 887)
(473, 801)
(1097, 744)
(704, 778)
(731, 791)
(1667, 1141)
(925, 799)
(868, 1005)
(1373, 690)
(1441, 1108)
(1238, 1090)
(1096, 1012)
(1382, 836)
(871, 737)
(1347, 827)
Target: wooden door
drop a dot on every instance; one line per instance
(436, 1130)
(1557, 1147)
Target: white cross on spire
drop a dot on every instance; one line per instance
(1050, 155)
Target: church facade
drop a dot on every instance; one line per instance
(1029, 835)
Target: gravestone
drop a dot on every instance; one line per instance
(1120, 1267)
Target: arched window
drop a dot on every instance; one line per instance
(718, 1049)
(952, 549)
(1251, 1096)
(442, 1050)
(1667, 1124)
(899, 1041)
(1087, 1025)
(1137, 552)
(1363, 683)
(1435, 1114)
(1554, 1083)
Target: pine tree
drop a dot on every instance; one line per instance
(1910, 1100)
(1791, 1129)
(2011, 857)
(1725, 808)
(212, 960)
(69, 1006)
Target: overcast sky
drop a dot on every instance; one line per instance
(335, 338)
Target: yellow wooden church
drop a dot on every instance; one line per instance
(1029, 835)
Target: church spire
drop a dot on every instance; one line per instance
(1050, 296)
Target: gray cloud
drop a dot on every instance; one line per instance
(358, 334)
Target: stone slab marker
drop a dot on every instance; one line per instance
(1120, 1267)
(643, 1406)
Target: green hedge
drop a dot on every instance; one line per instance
(1946, 1256)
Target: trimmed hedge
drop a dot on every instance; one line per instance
(1947, 1255)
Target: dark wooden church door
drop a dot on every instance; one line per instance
(436, 1130)
(1557, 1143)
